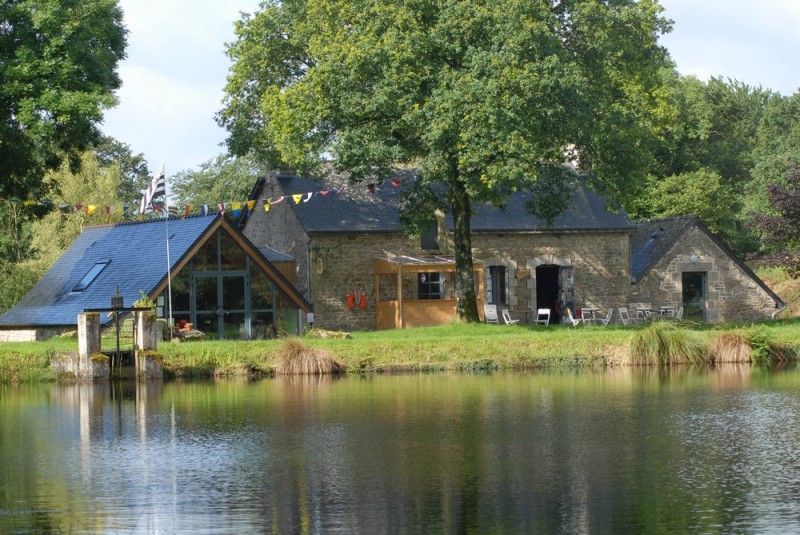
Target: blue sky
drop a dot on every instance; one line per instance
(174, 76)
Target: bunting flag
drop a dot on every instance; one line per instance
(156, 188)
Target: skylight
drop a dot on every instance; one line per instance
(91, 276)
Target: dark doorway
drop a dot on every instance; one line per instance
(547, 291)
(694, 295)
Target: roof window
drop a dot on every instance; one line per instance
(91, 275)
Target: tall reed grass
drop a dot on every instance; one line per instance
(296, 358)
(663, 343)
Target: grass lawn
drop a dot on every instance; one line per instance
(457, 347)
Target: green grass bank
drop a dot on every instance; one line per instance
(455, 347)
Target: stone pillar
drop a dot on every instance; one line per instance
(148, 361)
(92, 365)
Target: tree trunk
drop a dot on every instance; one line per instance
(466, 301)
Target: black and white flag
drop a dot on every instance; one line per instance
(157, 187)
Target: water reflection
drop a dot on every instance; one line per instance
(628, 450)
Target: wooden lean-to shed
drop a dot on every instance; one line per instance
(419, 291)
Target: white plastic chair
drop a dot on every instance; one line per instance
(572, 320)
(490, 314)
(679, 313)
(507, 317)
(543, 316)
(604, 321)
(625, 317)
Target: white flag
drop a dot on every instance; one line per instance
(157, 187)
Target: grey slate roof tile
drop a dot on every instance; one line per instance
(352, 208)
(137, 251)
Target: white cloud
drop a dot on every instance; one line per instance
(173, 79)
(753, 42)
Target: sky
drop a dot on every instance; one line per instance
(175, 71)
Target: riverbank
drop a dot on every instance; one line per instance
(456, 347)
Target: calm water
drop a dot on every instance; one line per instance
(622, 451)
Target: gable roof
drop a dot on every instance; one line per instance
(348, 208)
(137, 256)
(655, 237)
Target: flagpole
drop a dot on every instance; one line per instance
(169, 264)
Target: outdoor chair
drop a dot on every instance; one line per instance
(679, 313)
(507, 317)
(625, 317)
(572, 320)
(543, 316)
(604, 321)
(490, 314)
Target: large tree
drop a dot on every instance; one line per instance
(481, 97)
(58, 61)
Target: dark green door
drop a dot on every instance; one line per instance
(694, 295)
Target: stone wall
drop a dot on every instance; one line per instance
(601, 263)
(32, 334)
(280, 229)
(731, 294)
(344, 264)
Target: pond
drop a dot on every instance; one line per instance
(617, 451)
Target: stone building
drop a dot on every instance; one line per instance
(361, 271)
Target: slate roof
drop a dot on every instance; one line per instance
(652, 239)
(348, 208)
(655, 237)
(137, 251)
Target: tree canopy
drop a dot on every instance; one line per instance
(482, 98)
(58, 61)
(219, 179)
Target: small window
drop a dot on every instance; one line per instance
(429, 241)
(430, 286)
(498, 284)
(91, 276)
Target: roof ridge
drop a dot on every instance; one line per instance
(149, 220)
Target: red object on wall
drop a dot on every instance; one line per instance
(351, 300)
(362, 302)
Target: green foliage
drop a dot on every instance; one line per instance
(663, 343)
(760, 350)
(94, 185)
(144, 301)
(58, 72)
(224, 177)
(481, 97)
(133, 171)
(16, 279)
(698, 193)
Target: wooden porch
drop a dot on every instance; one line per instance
(399, 304)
